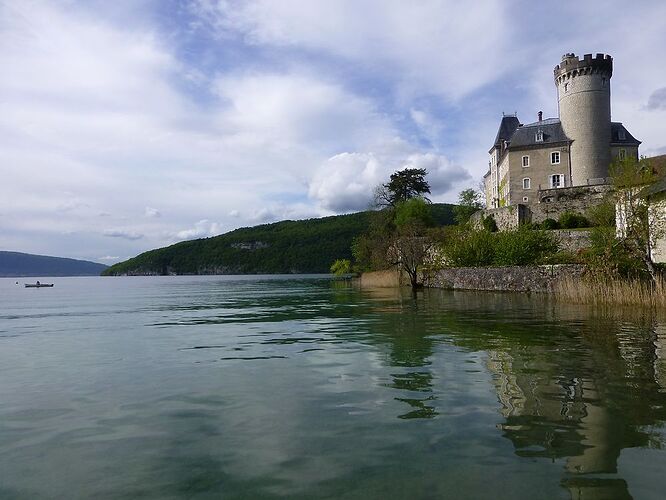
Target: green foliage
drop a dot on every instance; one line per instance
(489, 224)
(603, 214)
(341, 267)
(640, 225)
(403, 185)
(464, 248)
(571, 220)
(549, 224)
(563, 257)
(469, 202)
(305, 246)
(413, 210)
(523, 246)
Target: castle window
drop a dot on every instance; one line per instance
(539, 136)
(603, 81)
(525, 199)
(556, 181)
(622, 155)
(526, 183)
(621, 134)
(555, 157)
(526, 161)
(566, 87)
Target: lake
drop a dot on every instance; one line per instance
(300, 387)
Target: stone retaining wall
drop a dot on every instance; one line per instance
(510, 278)
(570, 240)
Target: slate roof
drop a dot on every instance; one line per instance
(525, 136)
(507, 127)
(629, 140)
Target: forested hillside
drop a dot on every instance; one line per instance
(305, 246)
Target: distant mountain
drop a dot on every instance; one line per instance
(15, 264)
(304, 246)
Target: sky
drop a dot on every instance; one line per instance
(132, 125)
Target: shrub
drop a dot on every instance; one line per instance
(413, 210)
(511, 248)
(549, 224)
(602, 215)
(464, 248)
(341, 267)
(571, 220)
(522, 247)
(489, 223)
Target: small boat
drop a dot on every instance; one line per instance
(38, 285)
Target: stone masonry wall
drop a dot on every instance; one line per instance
(554, 202)
(506, 218)
(570, 240)
(510, 278)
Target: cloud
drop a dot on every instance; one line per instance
(431, 46)
(152, 212)
(297, 109)
(202, 229)
(442, 174)
(346, 182)
(109, 258)
(657, 100)
(122, 233)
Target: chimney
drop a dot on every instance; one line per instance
(540, 115)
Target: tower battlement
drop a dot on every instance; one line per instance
(572, 65)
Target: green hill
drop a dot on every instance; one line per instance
(305, 246)
(15, 264)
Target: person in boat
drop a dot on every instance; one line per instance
(38, 283)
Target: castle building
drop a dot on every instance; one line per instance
(575, 149)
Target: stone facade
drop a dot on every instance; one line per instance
(574, 149)
(583, 95)
(538, 172)
(550, 204)
(573, 240)
(513, 278)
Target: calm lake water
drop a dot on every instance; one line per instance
(269, 387)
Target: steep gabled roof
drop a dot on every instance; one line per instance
(526, 136)
(629, 140)
(507, 127)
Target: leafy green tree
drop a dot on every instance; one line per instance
(638, 224)
(469, 202)
(403, 185)
(341, 267)
(415, 209)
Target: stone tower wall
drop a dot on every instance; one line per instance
(583, 91)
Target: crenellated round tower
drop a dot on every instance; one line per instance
(583, 94)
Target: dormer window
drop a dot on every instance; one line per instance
(539, 136)
(621, 134)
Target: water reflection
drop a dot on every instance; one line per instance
(574, 386)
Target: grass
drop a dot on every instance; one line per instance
(604, 291)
